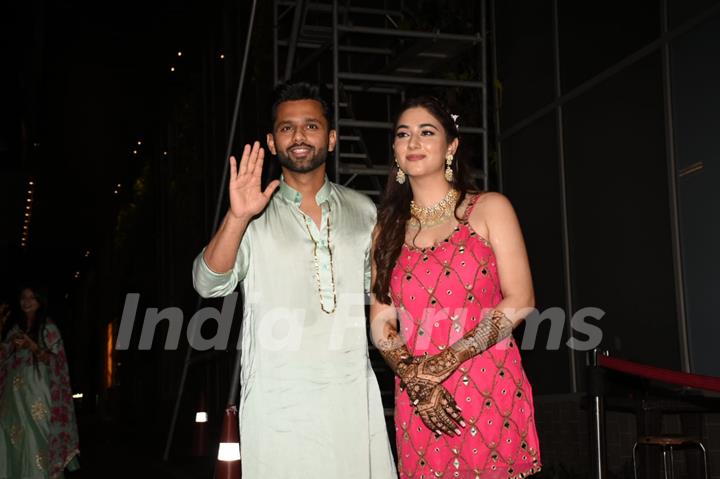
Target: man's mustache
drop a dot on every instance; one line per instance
(302, 145)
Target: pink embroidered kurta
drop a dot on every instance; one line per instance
(441, 292)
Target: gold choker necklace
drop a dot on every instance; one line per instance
(435, 214)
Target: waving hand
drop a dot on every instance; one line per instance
(246, 196)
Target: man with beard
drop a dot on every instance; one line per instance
(310, 404)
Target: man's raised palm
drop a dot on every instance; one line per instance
(246, 196)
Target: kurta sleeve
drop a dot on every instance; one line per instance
(210, 284)
(367, 271)
(368, 259)
(52, 338)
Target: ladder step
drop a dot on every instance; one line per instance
(383, 125)
(477, 38)
(302, 44)
(438, 55)
(369, 89)
(383, 170)
(341, 8)
(313, 43)
(349, 138)
(414, 71)
(411, 80)
(354, 156)
(367, 50)
(377, 170)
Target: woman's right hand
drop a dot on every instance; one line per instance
(433, 402)
(246, 197)
(22, 341)
(439, 411)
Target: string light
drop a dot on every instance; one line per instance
(179, 54)
(139, 142)
(27, 214)
(222, 56)
(135, 152)
(172, 69)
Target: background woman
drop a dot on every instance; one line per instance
(450, 281)
(37, 417)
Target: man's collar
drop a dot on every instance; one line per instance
(289, 194)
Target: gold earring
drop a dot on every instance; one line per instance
(448, 171)
(400, 176)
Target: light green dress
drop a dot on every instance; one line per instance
(310, 403)
(38, 432)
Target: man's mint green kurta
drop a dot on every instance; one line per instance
(310, 403)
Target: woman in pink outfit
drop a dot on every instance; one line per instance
(450, 281)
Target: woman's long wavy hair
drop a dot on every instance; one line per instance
(394, 210)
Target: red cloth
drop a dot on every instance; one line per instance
(709, 383)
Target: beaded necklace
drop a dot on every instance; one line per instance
(317, 265)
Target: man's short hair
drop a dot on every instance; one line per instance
(301, 91)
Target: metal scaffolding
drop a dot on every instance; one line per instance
(372, 55)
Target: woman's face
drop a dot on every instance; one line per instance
(420, 143)
(28, 303)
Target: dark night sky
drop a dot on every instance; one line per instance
(102, 75)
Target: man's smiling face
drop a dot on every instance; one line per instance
(301, 136)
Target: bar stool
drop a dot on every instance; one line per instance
(667, 442)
